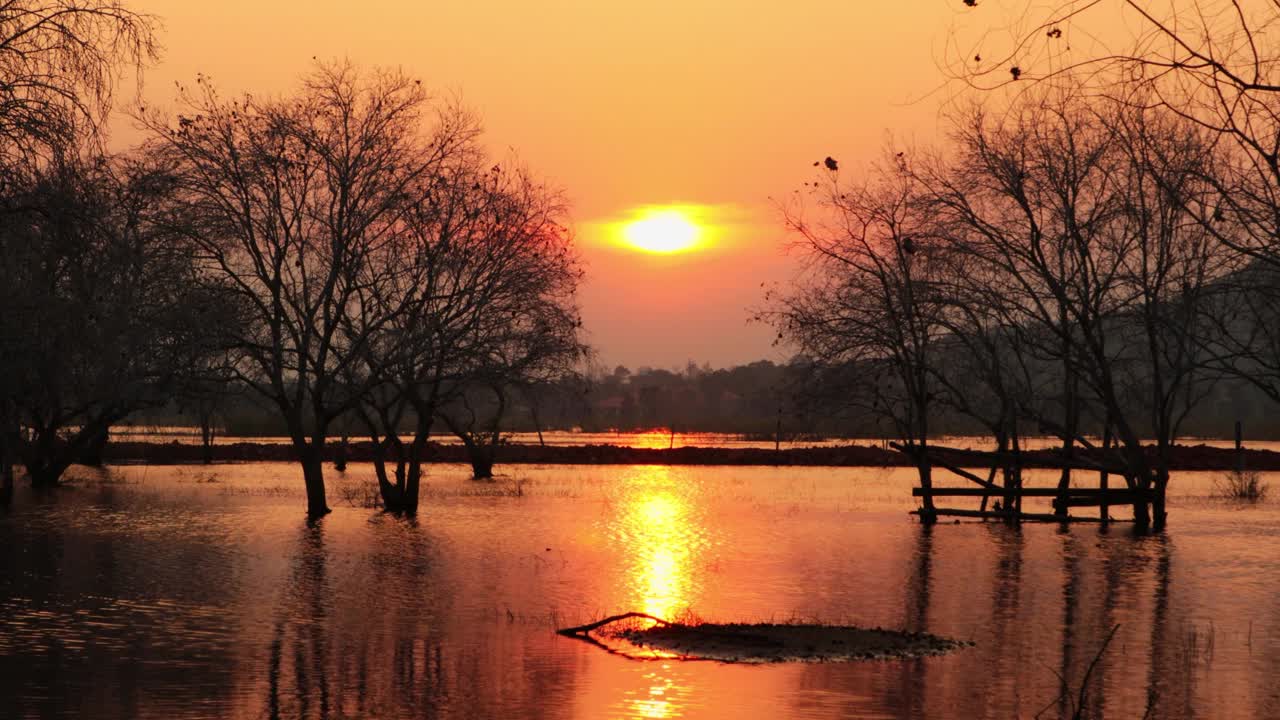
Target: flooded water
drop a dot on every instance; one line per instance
(203, 592)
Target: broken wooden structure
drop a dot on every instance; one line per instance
(1003, 500)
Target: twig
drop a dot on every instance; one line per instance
(583, 630)
(1084, 684)
(1077, 711)
(583, 633)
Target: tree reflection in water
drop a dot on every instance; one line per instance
(173, 599)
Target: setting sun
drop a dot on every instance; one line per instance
(662, 230)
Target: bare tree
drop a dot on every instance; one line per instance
(869, 300)
(59, 61)
(1051, 269)
(102, 308)
(497, 310)
(301, 207)
(529, 331)
(1082, 215)
(210, 383)
(990, 375)
(1213, 64)
(1171, 272)
(1024, 201)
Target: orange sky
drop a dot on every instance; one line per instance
(718, 103)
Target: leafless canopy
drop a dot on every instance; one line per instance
(59, 65)
(1213, 63)
(102, 308)
(1051, 268)
(304, 209)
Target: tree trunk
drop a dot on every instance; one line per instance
(45, 457)
(94, 448)
(1104, 509)
(537, 422)
(481, 465)
(1070, 421)
(1239, 447)
(313, 477)
(8, 454)
(6, 473)
(340, 460)
(413, 483)
(481, 457)
(45, 475)
(206, 438)
(1158, 513)
(1013, 474)
(1002, 446)
(928, 516)
(417, 452)
(1141, 512)
(391, 495)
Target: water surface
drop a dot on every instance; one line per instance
(186, 592)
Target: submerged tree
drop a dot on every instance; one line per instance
(302, 207)
(58, 65)
(528, 331)
(1082, 214)
(496, 310)
(869, 300)
(1213, 64)
(1052, 269)
(102, 307)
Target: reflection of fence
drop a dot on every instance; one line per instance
(1004, 501)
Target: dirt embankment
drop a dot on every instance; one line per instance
(645, 637)
(770, 643)
(1185, 457)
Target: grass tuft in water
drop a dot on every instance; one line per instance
(359, 493)
(1242, 485)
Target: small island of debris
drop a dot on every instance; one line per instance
(650, 637)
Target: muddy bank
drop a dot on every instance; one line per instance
(767, 643)
(643, 636)
(1185, 457)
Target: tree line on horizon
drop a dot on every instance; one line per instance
(792, 401)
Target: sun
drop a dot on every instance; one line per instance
(662, 230)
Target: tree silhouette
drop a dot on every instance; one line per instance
(300, 207)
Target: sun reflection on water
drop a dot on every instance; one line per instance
(660, 531)
(663, 539)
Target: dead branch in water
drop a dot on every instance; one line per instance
(582, 630)
(1078, 704)
(583, 633)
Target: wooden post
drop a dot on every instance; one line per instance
(1015, 502)
(928, 514)
(991, 479)
(1103, 480)
(1239, 447)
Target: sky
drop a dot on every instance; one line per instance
(717, 106)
